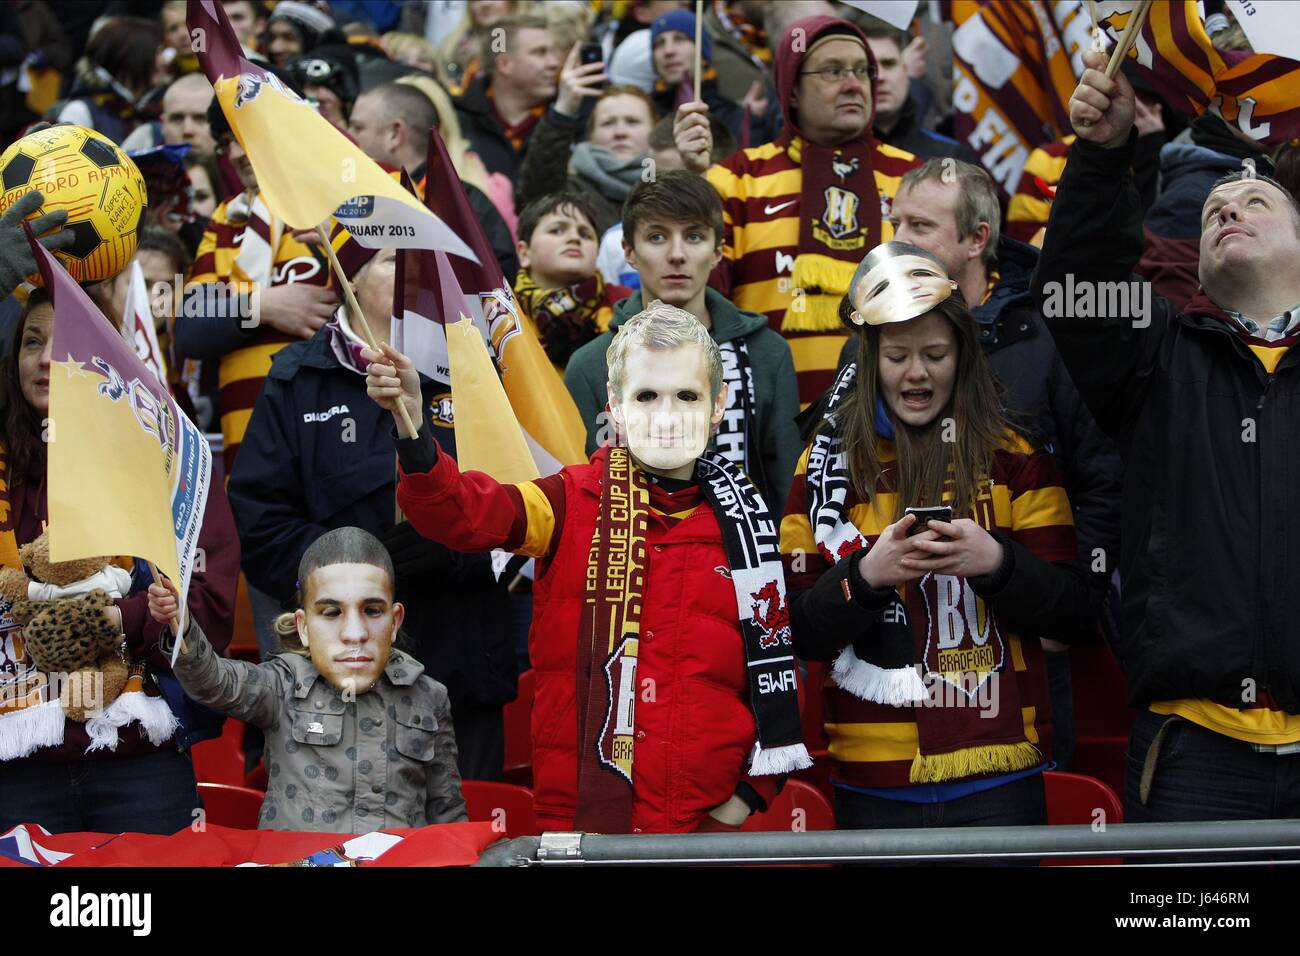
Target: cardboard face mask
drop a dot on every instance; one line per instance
(665, 412)
(898, 281)
(349, 624)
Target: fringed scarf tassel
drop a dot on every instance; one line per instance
(974, 761)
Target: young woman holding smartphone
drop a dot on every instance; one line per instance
(936, 704)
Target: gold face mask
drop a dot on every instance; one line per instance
(897, 281)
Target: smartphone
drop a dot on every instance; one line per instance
(923, 515)
(590, 53)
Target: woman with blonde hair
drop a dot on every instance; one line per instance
(458, 57)
(410, 49)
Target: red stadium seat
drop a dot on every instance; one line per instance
(1073, 799)
(518, 718)
(507, 806)
(222, 759)
(799, 806)
(228, 806)
(1101, 714)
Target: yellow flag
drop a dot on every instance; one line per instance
(488, 437)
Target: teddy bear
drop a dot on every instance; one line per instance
(65, 630)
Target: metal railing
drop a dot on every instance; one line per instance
(1221, 842)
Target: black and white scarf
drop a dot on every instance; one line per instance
(891, 676)
(734, 439)
(752, 543)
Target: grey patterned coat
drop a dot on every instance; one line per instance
(387, 759)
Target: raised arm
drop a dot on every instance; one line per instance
(470, 511)
(1107, 325)
(249, 692)
(546, 164)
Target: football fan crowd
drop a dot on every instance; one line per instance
(880, 434)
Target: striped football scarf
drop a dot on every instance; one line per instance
(886, 665)
(839, 222)
(608, 642)
(30, 716)
(260, 239)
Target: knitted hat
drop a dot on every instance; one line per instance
(681, 21)
(309, 22)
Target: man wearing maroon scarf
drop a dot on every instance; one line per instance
(803, 210)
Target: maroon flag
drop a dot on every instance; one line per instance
(542, 405)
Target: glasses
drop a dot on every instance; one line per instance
(837, 73)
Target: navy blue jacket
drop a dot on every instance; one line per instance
(318, 455)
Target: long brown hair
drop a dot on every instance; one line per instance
(924, 459)
(20, 423)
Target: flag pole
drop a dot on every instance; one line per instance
(699, 44)
(1128, 37)
(354, 308)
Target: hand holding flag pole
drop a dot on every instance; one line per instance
(1128, 37)
(1131, 30)
(354, 308)
(176, 618)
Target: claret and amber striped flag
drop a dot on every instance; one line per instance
(1258, 93)
(541, 406)
(1015, 65)
(307, 170)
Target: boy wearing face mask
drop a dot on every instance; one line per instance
(558, 286)
(666, 694)
(672, 229)
(358, 738)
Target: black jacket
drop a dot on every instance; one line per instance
(910, 135)
(1211, 456)
(297, 478)
(1045, 407)
(483, 130)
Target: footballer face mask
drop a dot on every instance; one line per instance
(897, 281)
(666, 413)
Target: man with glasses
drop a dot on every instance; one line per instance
(802, 211)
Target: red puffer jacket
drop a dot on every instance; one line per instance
(694, 726)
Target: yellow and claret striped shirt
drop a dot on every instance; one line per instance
(873, 745)
(1030, 206)
(242, 371)
(761, 189)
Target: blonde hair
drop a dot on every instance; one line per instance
(662, 328)
(397, 45)
(286, 629)
(454, 49)
(568, 23)
(468, 166)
